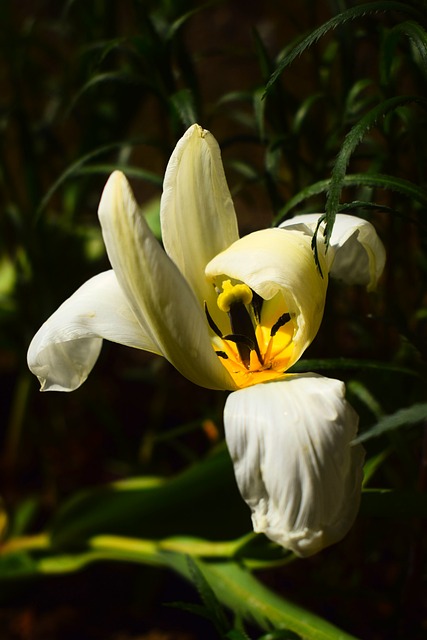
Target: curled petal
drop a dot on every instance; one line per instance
(157, 293)
(279, 260)
(67, 345)
(290, 442)
(357, 256)
(197, 213)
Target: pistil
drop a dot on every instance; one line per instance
(234, 300)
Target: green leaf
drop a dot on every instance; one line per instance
(418, 37)
(372, 464)
(375, 180)
(304, 110)
(363, 204)
(280, 634)
(202, 501)
(259, 111)
(130, 171)
(118, 77)
(364, 395)
(357, 100)
(245, 595)
(333, 23)
(222, 582)
(402, 418)
(352, 364)
(352, 139)
(235, 634)
(175, 26)
(241, 592)
(77, 167)
(208, 597)
(183, 103)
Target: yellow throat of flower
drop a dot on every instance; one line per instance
(260, 343)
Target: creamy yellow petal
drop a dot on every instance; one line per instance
(159, 296)
(295, 466)
(356, 254)
(278, 261)
(197, 213)
(67, 345)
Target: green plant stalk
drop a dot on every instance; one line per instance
(232, 584)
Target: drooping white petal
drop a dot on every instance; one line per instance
(279, 260)
(159, 296)
(290, 442)
(67, 345)
(356, 255)
(197, 213)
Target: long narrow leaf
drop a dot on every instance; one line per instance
(232, 585)
(418, 37)
(328, 364)
(375, 180)
(352, 139)
(340, 19)
(76, 167)
(403, 418)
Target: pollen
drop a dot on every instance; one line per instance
(232, 293)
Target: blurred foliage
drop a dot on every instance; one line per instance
(318, 106)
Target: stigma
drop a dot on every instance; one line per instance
(233, 294)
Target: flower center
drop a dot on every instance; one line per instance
(259, 345)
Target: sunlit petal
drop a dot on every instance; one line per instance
(197, 212)
(278, 260)
(159, 296)
(290, 442)
(357, 255)
(64, 350)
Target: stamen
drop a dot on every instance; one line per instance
(211, 322)
(244, 346)
(222, 354)
(257, 303)
(235, 337)
(284, 319)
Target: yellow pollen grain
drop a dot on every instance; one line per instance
(232, 293)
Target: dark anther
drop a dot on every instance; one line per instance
(284, 319)
(211, 322)
(257, 305)
(222, 354)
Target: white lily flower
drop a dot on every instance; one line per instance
(232, 314)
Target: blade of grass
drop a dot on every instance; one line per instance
(352, 139)
(403, 418)
(340, 19)
(375, 180)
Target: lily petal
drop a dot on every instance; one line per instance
(197, 212)
(279, 260)
(357, 256)
(290, 442)
(159, 296)
(67, 345)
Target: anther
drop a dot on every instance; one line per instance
(211, 322)
(284, 319)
